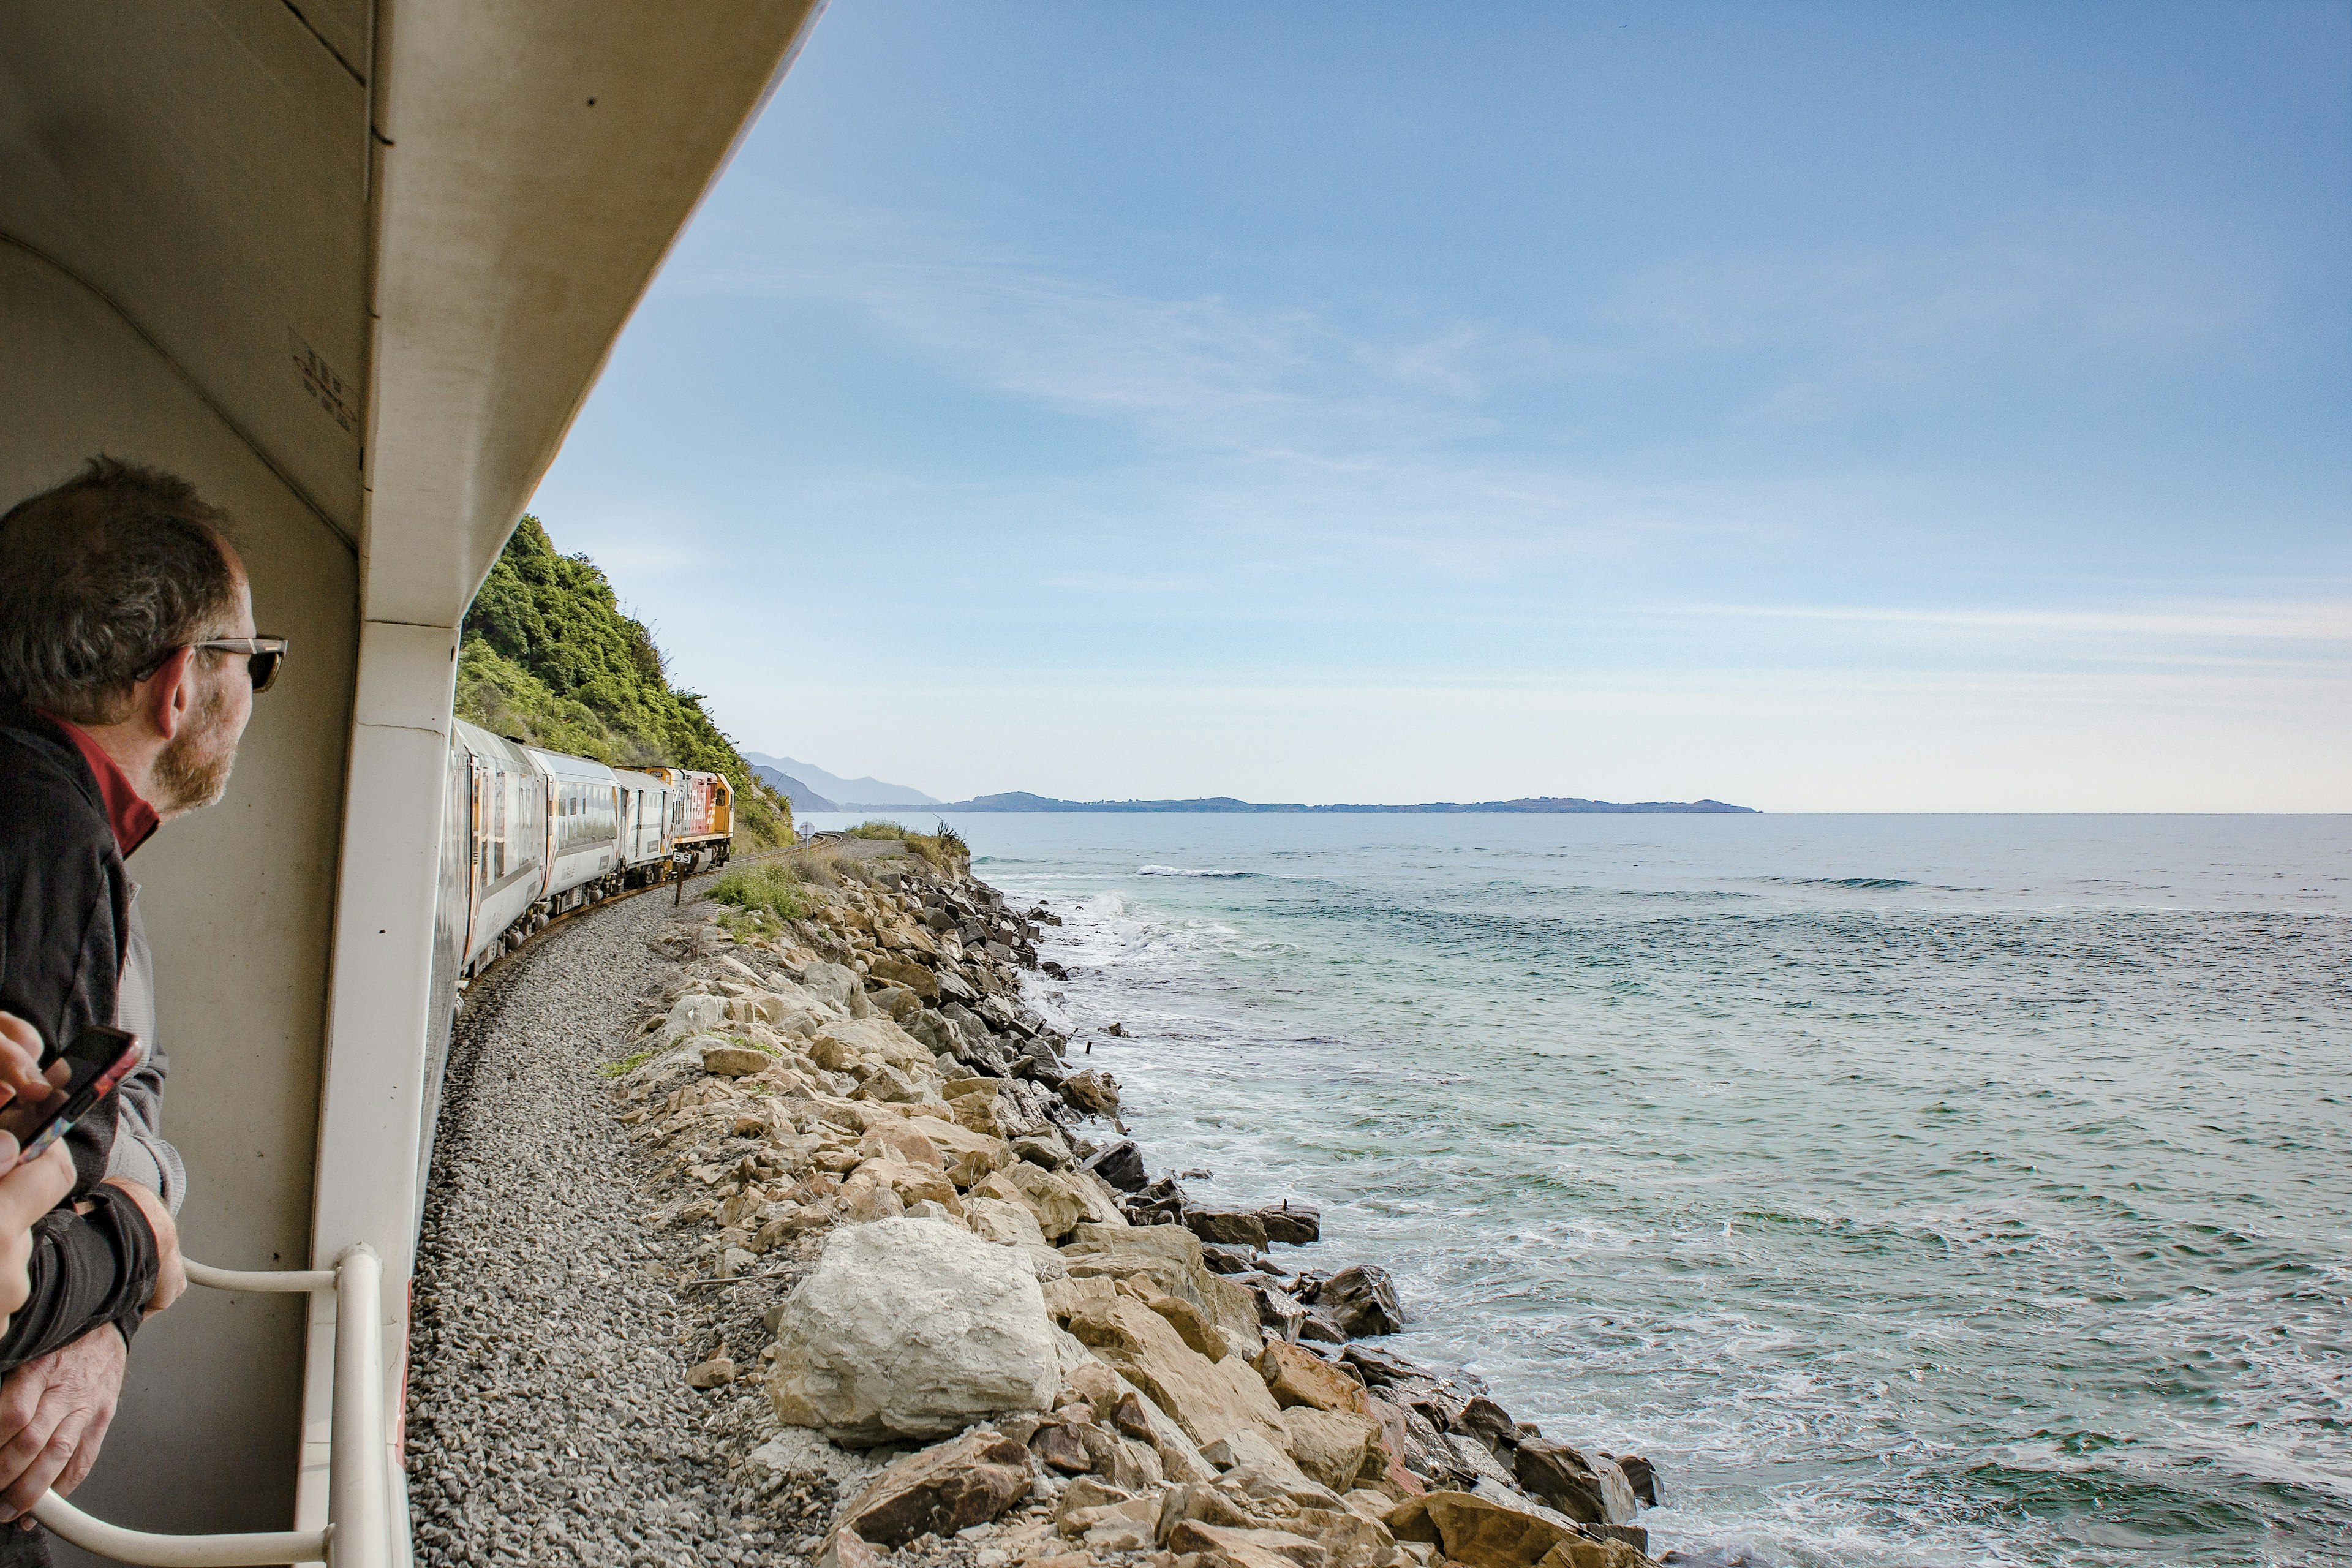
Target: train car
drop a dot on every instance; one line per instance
(506, 800)
(701, 817)
(351, 267)
(583, 830)
(644, 826)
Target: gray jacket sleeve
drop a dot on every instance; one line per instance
(140, 1151)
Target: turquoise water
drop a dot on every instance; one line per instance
(1913, 1190)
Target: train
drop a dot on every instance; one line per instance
(529, 835)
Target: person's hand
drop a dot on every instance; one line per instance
(21, 1077)
(54, 1413)
(26, 1193)
(171, 1274)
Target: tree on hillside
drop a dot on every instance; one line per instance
(550, 659)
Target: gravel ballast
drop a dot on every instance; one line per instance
(549, 1419)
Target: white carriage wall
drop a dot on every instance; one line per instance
(239, 901)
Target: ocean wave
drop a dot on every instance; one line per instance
(1188, 872)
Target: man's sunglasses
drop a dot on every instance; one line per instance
(263, 656)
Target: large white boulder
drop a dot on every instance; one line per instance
(912, 1328)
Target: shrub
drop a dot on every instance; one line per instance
(769, 889)
(944, 849)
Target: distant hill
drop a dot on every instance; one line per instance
(1021, 800)
(850, 792)
(802, 797)
(550, 659)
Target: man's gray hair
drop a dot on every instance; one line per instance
(101, 579)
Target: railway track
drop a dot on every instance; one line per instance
(674, 885)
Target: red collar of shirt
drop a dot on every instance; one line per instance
(131, 817)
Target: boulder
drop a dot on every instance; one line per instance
(981, 1113)
(880, 1038)
(896, 1001)
(1058, 1447)
(1228, 1227)
(969, 1156)
(1202, 1337)
(912, 1328)
(716, 1373)
(1395, 1445)
(1058, 1205)
(1234, 1548)
(1332, 1446)
(1204, 1504)
(1276, 1309)
(1094, 1092)
(693, 1015)
(1578, 1552)
(834, 983)
(1489, 1423)
(1384, 1368)
(1253, 1452)
(888, 1084)
(1318, 1326)
(896, 1139)
(1353, 1535)
(1558, 1475)
(735, 1061)
(845, 1548)
(1172, 1258)
(912, 1183)
(1641, 1475)
(1208, 1400)
(869, 1201)
(1130, 1411)
(782, 1222)
(1293, 1225)
(1296, 1377)
(1120, 1528)
(1120, 1165)
(1046, 1149)
(1007, 1224)
(942, 1490)
(1362, 1300)
(902, 972)
(1479, 1460)
(1476, 1532)
(1429, 1454)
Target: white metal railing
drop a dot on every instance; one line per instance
(359, 1531)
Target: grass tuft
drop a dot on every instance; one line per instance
(631, 1063)
(769, 889)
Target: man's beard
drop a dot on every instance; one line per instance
(193, 768)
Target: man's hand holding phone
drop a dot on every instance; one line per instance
(32, 1188)
(21, 1078)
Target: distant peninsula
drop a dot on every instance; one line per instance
(1022, 800)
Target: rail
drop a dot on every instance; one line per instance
(360, 1532)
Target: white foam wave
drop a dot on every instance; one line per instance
(1187, 871)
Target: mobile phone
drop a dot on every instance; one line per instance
(99, 1058)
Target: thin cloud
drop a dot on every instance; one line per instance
(2259, 620)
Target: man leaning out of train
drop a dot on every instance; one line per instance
(127, 668)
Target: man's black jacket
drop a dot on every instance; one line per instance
(65, 902)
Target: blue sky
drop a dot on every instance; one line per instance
(1820, 407)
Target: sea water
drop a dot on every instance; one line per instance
(1911, 1190)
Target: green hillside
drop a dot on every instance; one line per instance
(550, 659)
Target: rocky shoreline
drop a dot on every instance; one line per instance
(931, 1307)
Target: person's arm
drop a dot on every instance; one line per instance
(81, 1270)
(56, 1408)
(26, 1193)
(140, 1151)
(85, 1271)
